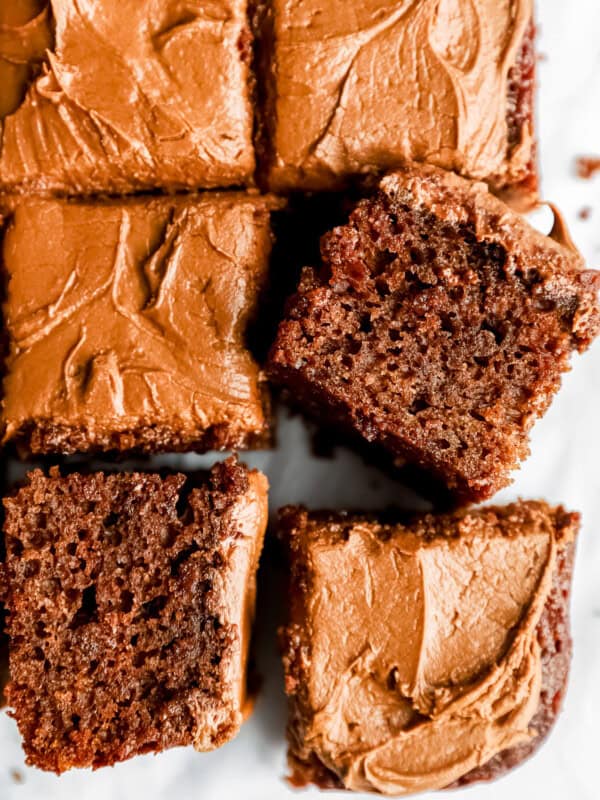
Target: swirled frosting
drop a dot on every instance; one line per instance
(383, 83)
(238, 586)
(414, 656)
(133, 94)
(25, 36)
(131, 316)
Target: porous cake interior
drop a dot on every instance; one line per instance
(428, 340)
(520, 119)
(119, 643)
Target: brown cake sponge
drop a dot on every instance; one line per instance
(130, 600)
(437, 327)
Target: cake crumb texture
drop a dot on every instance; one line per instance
(437, 326)
(130, 599)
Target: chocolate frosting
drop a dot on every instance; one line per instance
(384, 83)
(427, 664)
(25, 36)
(237, 587)
(134, 93)
(126, 316)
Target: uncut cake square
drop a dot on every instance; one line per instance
(130, 600)
(427, 654)
(128, 321)
(437, 327)
(367, 88)
(114, 96)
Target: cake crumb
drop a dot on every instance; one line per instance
(587, 166)
(584, 213)
(17, 776)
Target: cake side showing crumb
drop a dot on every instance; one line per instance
(46, 436)
(130, 600)
(438, 327)
(3, 646)
(522, 194)
(308, 534)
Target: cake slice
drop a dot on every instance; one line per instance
(128, 324)
(130, 601)
(118, 96)
(437, 327)
(428, 654)
(447, 83)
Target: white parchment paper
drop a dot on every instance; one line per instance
(564, 467)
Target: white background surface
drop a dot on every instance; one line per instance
(564, 467)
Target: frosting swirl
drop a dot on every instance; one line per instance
(427, 664)
(133, 94)
(25, 36)
(132, 317)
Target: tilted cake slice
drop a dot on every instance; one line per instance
(437, 327)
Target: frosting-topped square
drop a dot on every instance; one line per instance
(423, 654)
(450, 83)
(127, 323)
(120, 95)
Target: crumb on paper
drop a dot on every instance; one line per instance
(587, 166)
(584, 213)
(17, 776)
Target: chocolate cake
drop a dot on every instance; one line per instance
(128, 322)
(428, 654)
(116, 96)
(437, 327)
(130, 601)
(385, 83)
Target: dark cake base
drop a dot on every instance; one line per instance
(49, 438)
